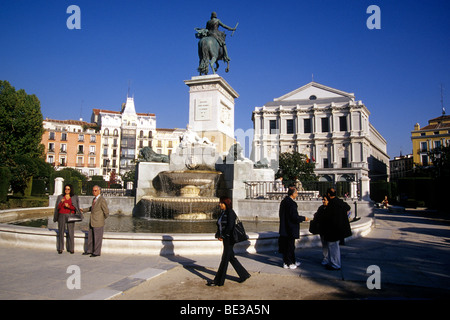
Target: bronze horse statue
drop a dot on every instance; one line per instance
(209, 52)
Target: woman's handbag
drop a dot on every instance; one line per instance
(314, 226)
(75, 217)
(239, 234)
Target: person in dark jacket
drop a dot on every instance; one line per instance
(318, 216)
(289, 228)
(334, 228)
(225, 226)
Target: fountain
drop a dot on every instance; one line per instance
(188, 195)
(187, 191)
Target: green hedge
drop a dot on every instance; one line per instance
(38, 187)
(5, 175)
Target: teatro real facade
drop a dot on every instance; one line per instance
(330, 127)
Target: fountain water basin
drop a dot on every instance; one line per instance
(188, 195)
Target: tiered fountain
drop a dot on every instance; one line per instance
(188, 195)
(188, 188)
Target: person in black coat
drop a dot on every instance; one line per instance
(289, 228)
(225, 227)
(334, 227)
(316, 228)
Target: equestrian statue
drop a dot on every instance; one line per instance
(212, 46)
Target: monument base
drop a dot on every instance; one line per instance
(211, 109)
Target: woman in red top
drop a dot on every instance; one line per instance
(66, 204)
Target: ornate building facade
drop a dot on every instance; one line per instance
(124, 133)
(330, 127)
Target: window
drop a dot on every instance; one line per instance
(50, 159)
(344, 163)
(51, 147)
(93, 138)
(63, 136)
(343, 123)
(325, 163)
(423, 146)
(91, 149)
(63, 147)
(273, 126)
(424, 160)
(80, 149)
(307, 125)
(81, 137)
(325, 125)
(51, 136)
(62, 162)
(437, 144)
(290, 126)
(313, 97)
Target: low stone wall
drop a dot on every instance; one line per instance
(267, 210)
(122, 205)
(161, 244)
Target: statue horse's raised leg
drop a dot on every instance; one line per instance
(228, 66)
(212, 62)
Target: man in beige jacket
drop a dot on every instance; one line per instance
(99, 212)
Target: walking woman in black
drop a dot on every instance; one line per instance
(225, 226)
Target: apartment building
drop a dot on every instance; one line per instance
(166, 141)
(123, 133)
(72, 144)
(435, 135)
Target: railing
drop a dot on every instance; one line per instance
(109, 192)
(274, 191)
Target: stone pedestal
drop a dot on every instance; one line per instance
(145, 173)
(59, 184)
(211, 110)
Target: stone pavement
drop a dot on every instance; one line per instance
(411, 249)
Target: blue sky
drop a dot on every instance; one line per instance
(396, 71)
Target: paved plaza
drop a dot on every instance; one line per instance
(411, 250)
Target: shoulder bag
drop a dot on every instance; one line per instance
(75, 217)
(239, 234)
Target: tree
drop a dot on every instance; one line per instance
(20, 134)
(294, 165)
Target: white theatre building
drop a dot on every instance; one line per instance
(330, 127)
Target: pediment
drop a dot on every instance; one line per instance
(317, 90)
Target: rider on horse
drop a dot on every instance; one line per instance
(213, 30)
